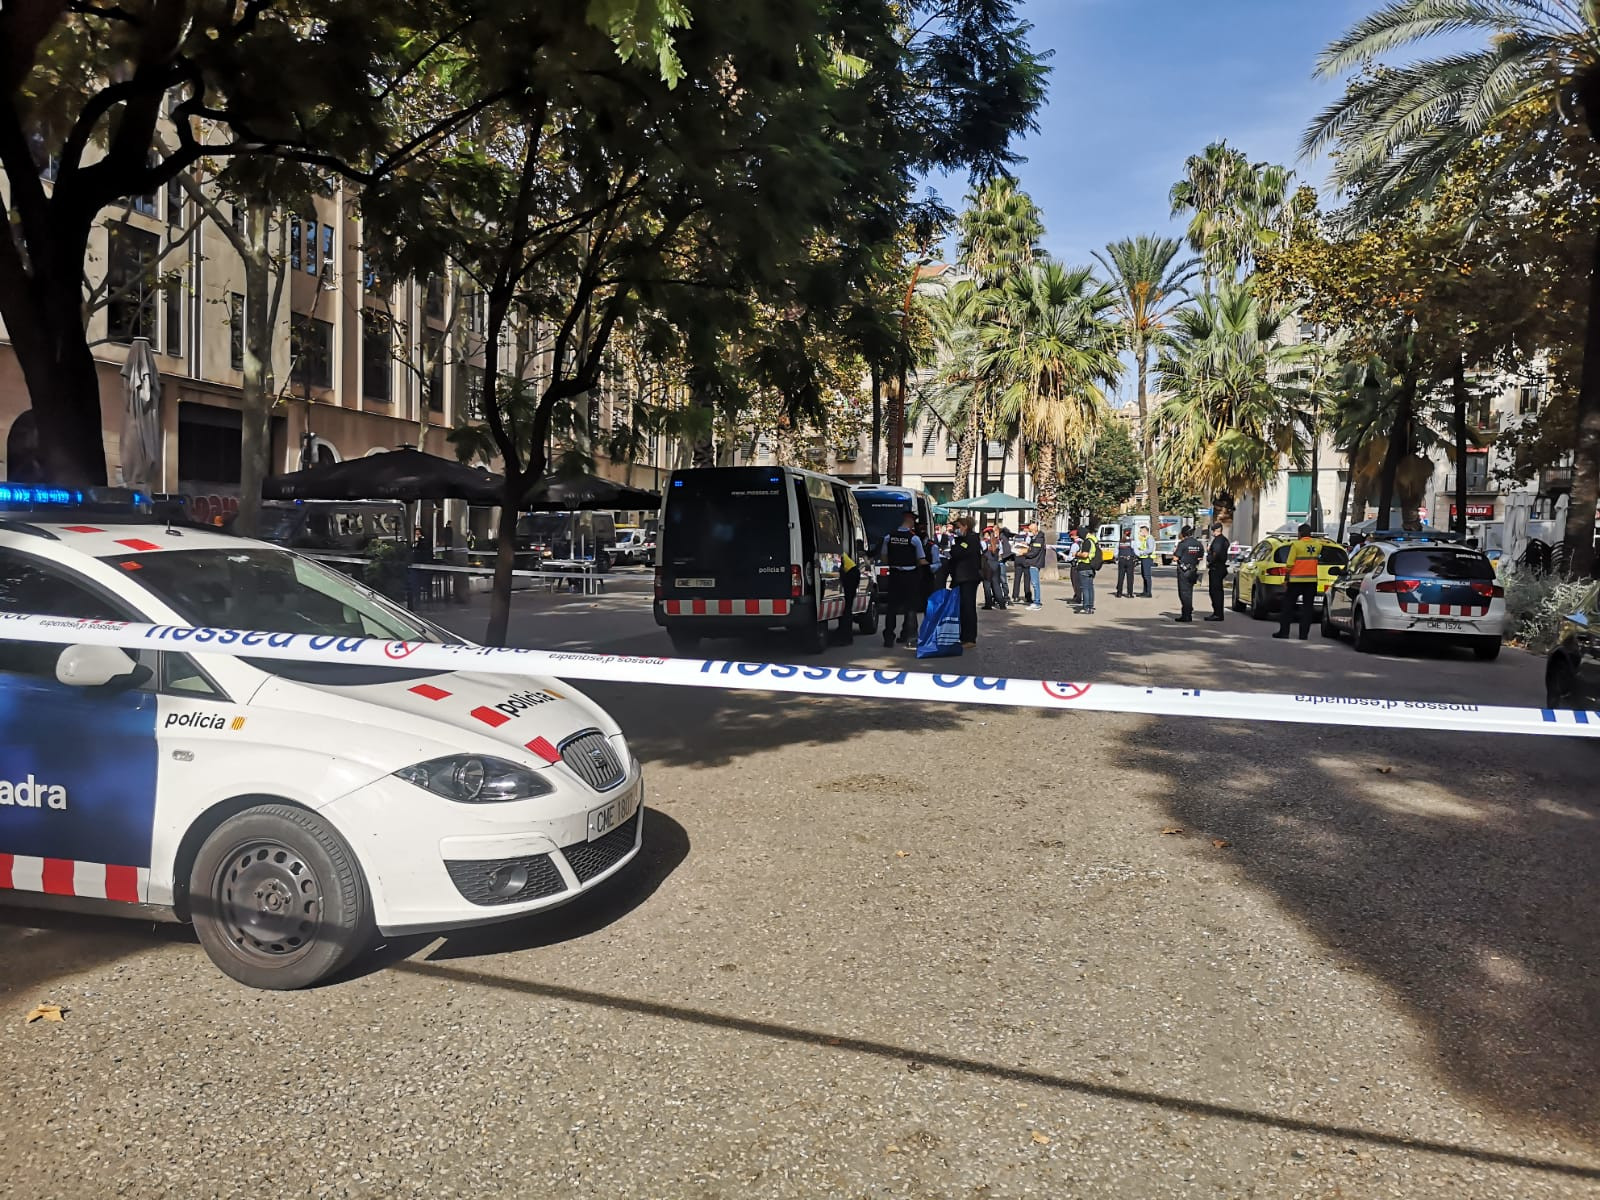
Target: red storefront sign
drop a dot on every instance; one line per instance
(1476, 512)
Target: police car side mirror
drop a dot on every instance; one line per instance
(98, 666)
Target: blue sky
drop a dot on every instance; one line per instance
(1139, 85)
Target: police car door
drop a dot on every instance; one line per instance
(77, 764)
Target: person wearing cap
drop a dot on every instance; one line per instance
(1217, 568)
(1300, 589)
(1189, 553)
(905, 555)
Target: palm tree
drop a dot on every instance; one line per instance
(998, 235)
(1233, 411)
(1237, 207)
(1150, 283)
(1400, 129)
(1056, 351)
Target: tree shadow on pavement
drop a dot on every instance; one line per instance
(1438, 865)
(39, 946)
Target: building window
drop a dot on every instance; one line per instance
(474, 390)
(131, 291)
(1477, 470)
(930, 436)
(145, 205)
(311, 348)
(174, 318)
(377, 361)
(473, 303)
(1530, 398)
(1299, 496)
(176, 203)
(311, 245)
(433, 298)
(327, 252)
(236, 211)
(952, 449)
(294, 244)
(372, 274)
(433, 347)
(236, 331)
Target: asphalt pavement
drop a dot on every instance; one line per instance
(879, 949)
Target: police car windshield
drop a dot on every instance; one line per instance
(277, 592)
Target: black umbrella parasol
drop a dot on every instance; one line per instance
(566, 493)
(394, 475)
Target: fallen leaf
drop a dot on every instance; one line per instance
(902, 854)
(1042, 1139)
(891, 1149)
(1221, 843)
(1385, 770)
(44, 1012)
(1171, 829)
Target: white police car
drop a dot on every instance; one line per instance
(1417, 585)
(286, 809)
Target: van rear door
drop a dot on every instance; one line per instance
(725, 535)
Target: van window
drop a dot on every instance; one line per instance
(881, 512)
(830, 530)
(732, 521)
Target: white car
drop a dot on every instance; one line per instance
(1417, 585)
(286, 809)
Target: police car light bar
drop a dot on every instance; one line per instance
(1414, 535)
(32, 497)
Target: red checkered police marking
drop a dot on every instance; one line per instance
(1444, 610)
(137, 544)
(490, 717)
(428, 692)
(68, 877)
(726, 608)
(82, 529)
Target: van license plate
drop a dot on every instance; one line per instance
(607, 817)
(696, 583)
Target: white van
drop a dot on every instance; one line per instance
(742, 549)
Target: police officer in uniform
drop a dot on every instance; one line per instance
(1217, 568)
(905, 556)
(1086, 562)
(1190, 554)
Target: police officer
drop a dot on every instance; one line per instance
(1190, 554)
(1217, 569)
(965, 569)
(1305, 557)
(1144, 550)
(1086, 562)
(905, 555)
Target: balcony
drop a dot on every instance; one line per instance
(1555, 481)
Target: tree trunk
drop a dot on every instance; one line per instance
(1147, 444)
(1579, 545)
(44, 319)
(1349, 487)
(964, 451)
(1047, 496)
(505, 560)
(255, 446)
(1399, 444)
(877, 426)
(1458, 383)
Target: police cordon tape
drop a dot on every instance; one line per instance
(1050, 695)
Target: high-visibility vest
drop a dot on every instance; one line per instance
(1088, 549)
(1305, 556)
(1141, 541)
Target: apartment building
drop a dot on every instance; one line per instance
(361, 363)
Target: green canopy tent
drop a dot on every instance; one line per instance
(994, 502)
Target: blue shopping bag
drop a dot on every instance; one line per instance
(940, 636)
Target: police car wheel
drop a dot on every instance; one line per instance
(1360, 636)
(867, 622)
(278, 900)
(1487, 649)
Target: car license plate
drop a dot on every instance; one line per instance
(696, 583)
(608, 817)
(1444, 625)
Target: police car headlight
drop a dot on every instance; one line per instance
(473, 779)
